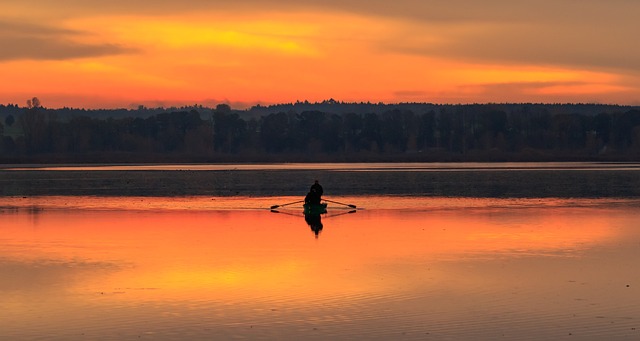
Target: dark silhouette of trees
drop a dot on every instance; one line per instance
(371, 132)
(602, 125)
(393, 131)
(426, 137)
(33, 125)
(277, 133)
(570, 131)
(229, 130)
(332, 134)
(626, 128)
(9, 120)
(367, 132)
(353, 126)
(33, 103)
(310, 131)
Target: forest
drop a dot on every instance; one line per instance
(329, 131)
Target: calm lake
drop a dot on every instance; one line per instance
(431, 252)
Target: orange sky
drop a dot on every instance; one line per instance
(121, 54)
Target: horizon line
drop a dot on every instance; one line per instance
(331, 101)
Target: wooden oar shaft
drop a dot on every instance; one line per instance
(291, 203)
(336, 202)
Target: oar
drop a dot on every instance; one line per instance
(335, 202)
(287, 213)
(291, 203)
(338, 214)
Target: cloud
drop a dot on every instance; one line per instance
(520, 92)
(583, 46)
(420, 10)
(591, 34)
(558, 91)
(39, 42)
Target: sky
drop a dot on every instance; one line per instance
(122, 54)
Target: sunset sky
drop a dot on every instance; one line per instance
(117, 53)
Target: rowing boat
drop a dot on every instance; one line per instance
(315, 208)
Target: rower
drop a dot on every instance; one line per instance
(312, 197)
(317, 188)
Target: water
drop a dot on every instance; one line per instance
(496, 180)
(407, 267)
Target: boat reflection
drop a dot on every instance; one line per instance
(314, 221)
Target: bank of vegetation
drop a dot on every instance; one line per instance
(322, 132)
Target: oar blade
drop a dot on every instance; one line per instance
(274, 207)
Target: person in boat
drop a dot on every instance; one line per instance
(312, 197)
(317, 188)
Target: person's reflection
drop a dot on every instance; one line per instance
(315, 223)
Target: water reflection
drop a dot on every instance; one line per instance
(478, 271)
(315, 223)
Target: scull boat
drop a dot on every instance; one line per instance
(313, 209)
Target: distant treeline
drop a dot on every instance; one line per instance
(322, 132)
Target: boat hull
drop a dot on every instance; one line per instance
(315, 208)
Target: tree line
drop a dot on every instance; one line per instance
(446, 133)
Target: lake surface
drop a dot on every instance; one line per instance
(118, 264)
(495, 180)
